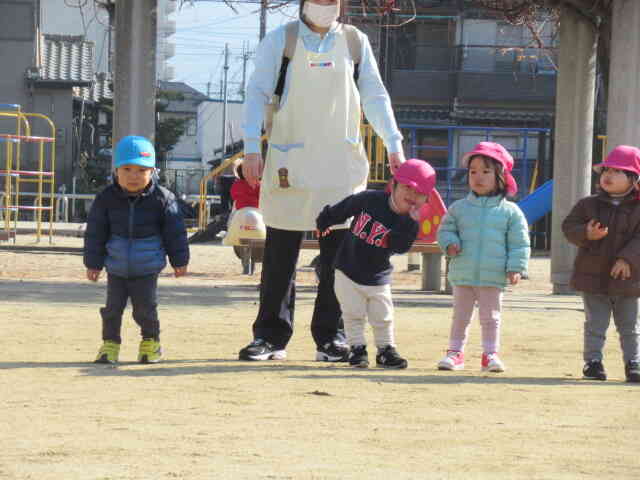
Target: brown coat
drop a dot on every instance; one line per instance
(592, 268)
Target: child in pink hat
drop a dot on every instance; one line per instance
(384, 223)
(606, 228)
(486, 239)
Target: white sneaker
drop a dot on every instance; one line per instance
(491, 363)
(454, 360)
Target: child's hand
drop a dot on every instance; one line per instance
(595, 230)
(180, 271)
(324, 233)
(414, 212)
(93, 275)
(453, 250)
(621, 270)
(514, 277)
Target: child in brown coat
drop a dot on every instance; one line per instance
(606, 227)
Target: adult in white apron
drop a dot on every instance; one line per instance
(315, 158)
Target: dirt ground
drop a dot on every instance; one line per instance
(204, 415)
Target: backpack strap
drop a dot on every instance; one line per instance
(355, 48)
(291, 40)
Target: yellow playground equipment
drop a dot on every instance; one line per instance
(373, 145)
(12, 168)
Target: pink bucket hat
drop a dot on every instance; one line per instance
(498, 153)
(623, 157)
(417, 174)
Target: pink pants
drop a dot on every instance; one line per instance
(489, 301)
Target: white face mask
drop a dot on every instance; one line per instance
(320, 15)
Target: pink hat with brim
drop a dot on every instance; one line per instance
(498, 153)
(623, 157)
(417, 174)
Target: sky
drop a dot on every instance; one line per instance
(202, 29)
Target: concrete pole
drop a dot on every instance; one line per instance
(263, 18)
(623, 112)
(135, 69)
(573, 135)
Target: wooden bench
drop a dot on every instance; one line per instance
(431, 260)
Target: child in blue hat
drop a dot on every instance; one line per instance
(133, 225)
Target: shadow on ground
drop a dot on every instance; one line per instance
(314, 371)
(209, 294)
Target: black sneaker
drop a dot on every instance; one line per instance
(594, 370)
(358, 356)
(260, 349)
(388, 357)
(332, 352)
(632, 371)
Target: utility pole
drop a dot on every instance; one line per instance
(245, 59)
(263, 18)
(224, 104)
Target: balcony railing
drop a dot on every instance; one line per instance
(479, 72)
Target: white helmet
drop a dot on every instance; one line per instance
(245, 223)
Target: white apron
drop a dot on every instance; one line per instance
(316, 156)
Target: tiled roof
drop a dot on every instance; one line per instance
(192, 97)
(101, 88)
(181, 87)
(445, 115)
(66, 58)
(419, 113)
(514, 114)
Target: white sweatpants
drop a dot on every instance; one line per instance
(361, 302)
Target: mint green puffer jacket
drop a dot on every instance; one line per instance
(493, 235)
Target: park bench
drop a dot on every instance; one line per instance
(251, 253)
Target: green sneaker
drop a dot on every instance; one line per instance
(150, 351)
(108, 352)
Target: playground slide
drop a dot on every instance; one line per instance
(537, 204)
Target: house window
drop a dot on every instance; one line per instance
(516, 49)
(433, 146)
(425, 45)
(192, 127)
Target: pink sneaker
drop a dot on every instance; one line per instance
(454, 360)
(491, 363)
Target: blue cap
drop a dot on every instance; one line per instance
(134, 150)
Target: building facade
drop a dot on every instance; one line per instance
(458, 74)
(56, 60)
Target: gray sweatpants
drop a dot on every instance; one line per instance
(361, 302)
(598, 310)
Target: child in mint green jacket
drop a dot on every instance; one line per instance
(486, 238)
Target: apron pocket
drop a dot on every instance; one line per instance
(283, 171)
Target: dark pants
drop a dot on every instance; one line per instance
(143, 294)
(278, 290)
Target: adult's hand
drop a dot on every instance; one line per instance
(252, 166)
(395, 160)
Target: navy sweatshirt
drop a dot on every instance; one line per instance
(377, 232)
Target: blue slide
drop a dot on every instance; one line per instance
(537, 204)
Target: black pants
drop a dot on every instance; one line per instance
(278, 290)
(144, 300)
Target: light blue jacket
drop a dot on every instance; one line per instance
(493, 236)
(267, 60)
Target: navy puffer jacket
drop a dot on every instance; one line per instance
(132, 235)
